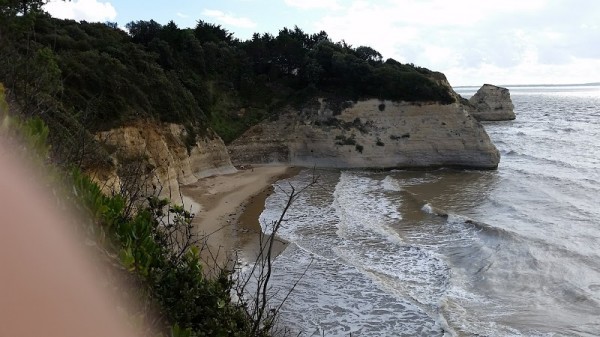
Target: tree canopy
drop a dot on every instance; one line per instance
(94, 76)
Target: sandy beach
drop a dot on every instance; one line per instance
(227, 208)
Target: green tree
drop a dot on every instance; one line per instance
(291, 48)
(369, 54)
(21, 7)
(208, 32)
(144, 31)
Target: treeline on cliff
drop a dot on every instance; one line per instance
(84, 77)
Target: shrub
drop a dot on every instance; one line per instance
(343, 140)
(403, 136)
(158, 245)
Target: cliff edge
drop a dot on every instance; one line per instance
(155, 155)
(369, 134)
(492, 103)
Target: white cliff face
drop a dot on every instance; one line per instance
(156, 154)
(492, 103)
(370, 134)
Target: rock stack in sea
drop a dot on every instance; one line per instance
(492, 103)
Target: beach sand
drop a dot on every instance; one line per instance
(227, 208)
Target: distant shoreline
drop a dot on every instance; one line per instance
(532, 85)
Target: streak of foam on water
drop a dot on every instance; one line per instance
(363, 208)
(310, 222)
(373, 246)
(340, 300)
(391, 184)
(362, 279)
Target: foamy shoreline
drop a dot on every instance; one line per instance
(227, 208)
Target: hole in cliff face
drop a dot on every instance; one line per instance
(404, 136)
(381, 107)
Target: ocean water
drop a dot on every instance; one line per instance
(512, 252)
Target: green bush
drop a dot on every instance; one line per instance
(343, 140)
(171, 274)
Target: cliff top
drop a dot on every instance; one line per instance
(89, 77)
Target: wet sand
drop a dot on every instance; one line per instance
(227, 208)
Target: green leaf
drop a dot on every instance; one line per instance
(176, 331)
(127, 258)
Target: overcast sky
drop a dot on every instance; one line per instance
(471, 41)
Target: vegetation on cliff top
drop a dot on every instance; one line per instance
(84, 77)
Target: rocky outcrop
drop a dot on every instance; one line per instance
(492, 103)
(156, 155)
(370, 134)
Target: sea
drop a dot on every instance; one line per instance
(509, 252)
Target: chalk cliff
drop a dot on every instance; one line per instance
(369, 134)
(156, 155)
(492, 103)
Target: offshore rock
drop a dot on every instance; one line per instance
(492, 103)
(369, 134)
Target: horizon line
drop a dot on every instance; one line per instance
(531, 85)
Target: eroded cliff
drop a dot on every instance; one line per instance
(370, 134)
(159, 157)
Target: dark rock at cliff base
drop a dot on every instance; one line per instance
(492, 103)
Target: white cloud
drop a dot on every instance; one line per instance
(314, 4)
(88, 10)
(181, 15)
(470, 40)
(577, 71)
(229, 19)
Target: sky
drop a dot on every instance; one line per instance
(471, 41)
